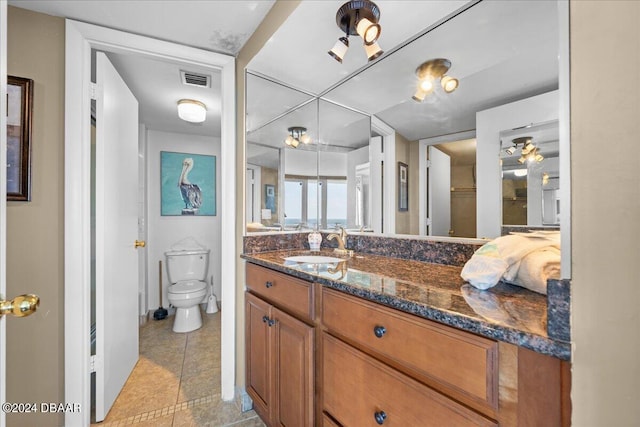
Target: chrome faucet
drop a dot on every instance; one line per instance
(341, 239)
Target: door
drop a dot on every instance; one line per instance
(116, 229)
(439, 192)
(258, 354)
(293, 370)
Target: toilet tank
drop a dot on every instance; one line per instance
(187, 264)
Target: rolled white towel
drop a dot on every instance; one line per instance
(536, 268)
(501, 257)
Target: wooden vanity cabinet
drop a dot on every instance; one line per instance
(381, 366)
(280, 349)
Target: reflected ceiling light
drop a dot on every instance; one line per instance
(520, 172)
(545, 178)
(192, 111)
(428, 72)
(297, 135)
(529, 151)
(358, 18)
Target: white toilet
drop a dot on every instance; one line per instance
(187, 271)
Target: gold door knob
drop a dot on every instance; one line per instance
(20, 306)
(139, 244)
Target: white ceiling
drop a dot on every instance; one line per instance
(219, 26)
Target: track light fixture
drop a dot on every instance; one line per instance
(297, 135)
(529, 151)
(358, 18)
(428, 72)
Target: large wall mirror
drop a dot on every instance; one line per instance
(444, 164)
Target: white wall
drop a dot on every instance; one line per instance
(489, 123)
(300, 162)
(163, 231)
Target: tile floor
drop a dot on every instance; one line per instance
(176, 381)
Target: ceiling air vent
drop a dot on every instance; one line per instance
(195, 79)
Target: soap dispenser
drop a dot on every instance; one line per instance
(315, 239)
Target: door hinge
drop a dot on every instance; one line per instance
(428, 222)
(428, 163)
(93, 90)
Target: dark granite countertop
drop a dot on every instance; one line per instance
(433, 291)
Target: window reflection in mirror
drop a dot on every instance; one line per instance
(343, 150)
(272, 109)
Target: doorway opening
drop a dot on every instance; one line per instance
(80, 39)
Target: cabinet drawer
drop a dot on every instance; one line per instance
(360, 391)
(290, 293)
(458, 361)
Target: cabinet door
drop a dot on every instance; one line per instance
(294, 370)
(258, 354)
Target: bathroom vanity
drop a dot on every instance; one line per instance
(375, 340)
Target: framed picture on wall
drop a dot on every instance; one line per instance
(19, 118)
(270, 197)
(188, 184)
(403, 186)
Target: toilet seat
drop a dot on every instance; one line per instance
(187, 286)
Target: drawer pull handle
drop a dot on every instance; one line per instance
(380, 416)
(268, 284)
(379, 331)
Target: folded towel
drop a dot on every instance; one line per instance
(536, 268)
(502, 256)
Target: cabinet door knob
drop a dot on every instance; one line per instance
(265, 319)
(271, 322)
(268, 284)
(379, 331)
(380, 416)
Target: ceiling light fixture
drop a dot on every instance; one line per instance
(192, 111)
(529, 151)
(430, 71)
(358, 18)
(297, 135)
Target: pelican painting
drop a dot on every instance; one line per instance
(195, 177)
(191, 193)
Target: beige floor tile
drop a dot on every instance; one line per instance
(176, 382)
(215, 414)
(251, 422)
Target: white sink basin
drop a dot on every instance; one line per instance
(314, 259)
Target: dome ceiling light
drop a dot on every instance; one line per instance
(192, 111)
(297, 135)
(358, 18)
(430, 71)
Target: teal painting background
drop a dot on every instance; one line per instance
(203, 174)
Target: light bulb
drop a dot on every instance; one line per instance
(368, 31)
(339, 50)
(289, 140)
(373, 51)
(449, 84)
(426, 85)
(419, 95)
(305, 139)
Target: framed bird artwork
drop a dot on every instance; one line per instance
(188, 184)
